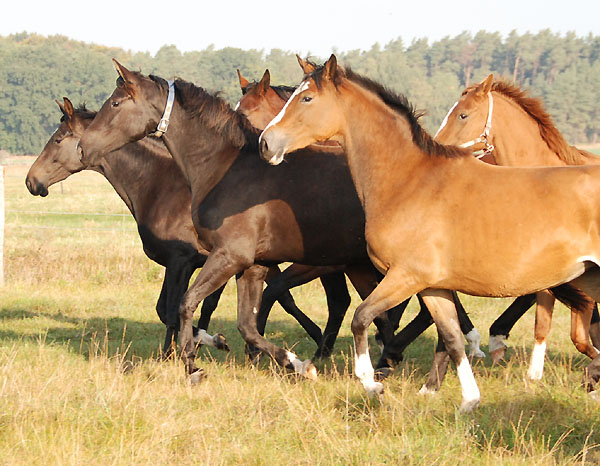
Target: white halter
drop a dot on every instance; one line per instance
(164, 121)
(483, 138)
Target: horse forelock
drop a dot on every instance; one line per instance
(398, 103)
(534, 107)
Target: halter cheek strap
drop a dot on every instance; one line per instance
(163, 125)
(483, 138)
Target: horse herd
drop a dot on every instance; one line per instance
(365, 193)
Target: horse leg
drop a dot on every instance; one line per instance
(595, 327)
(580, 331)
(502, 326)
(219, 267)
(543, 321)
(393, 351)
(391, 291)
(438, 370)
(250, 287)
(468, 329)
(365, 279)
(201, 336)
(338, 301)
(441, 305)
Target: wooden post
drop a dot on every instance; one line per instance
(2, 225)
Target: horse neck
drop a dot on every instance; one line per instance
(200, 154)
(516, 137)
(134, 168)
(377, 143)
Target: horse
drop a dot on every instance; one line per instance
(518, 132)
(163, 220)
(240, 207)
(260, 103)
(414, 189)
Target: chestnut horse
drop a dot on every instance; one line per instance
(164, 222)
(520, 133)
(245, 213)
(260, 103)
(414, 190)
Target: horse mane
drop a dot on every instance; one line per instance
(400, 104)
(213, 112)
(535, 109)
(82, 112)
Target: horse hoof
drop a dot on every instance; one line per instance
(498, 355)
(469, 405)
(197, 376)
(374, 389)
(221, 342)
(478, 353)
(425, 390)
(309, 370)
(594, 395)
(382, 373)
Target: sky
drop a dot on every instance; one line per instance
(316, 27)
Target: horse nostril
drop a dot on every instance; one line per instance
(264, 147)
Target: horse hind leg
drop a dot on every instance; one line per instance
(543, 321)
(500, 329)
(468, 329)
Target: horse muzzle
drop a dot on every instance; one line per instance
(35, 187)
(269, 150)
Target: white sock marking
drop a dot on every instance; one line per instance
(474, 340)
(363, 369)
(536, 366)
(470, 390)
(205, 338)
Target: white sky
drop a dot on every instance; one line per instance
(315, 26)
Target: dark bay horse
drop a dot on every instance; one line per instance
(241, 209)
(518, 132)
(147, 179)
(260, 103)
(413, 189)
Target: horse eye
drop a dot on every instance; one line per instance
(462, 116)
(114, 103)
(57, 141)
(306, 99)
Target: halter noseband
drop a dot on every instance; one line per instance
(488, 148)
(164, 121)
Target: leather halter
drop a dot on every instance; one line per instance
(488, 148)
(163, 125)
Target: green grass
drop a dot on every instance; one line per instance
(80, 382)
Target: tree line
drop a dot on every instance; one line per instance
(564, 70)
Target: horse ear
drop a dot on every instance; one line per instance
(70, 111)
(486, 85)
(128, 77)
(265, 82)
(330, 66)
(61, 106)
(306, 66)
(243, 81)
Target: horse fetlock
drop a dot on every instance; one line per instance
(220, 342)
(474, 340)
(373, 388)
(469, 405)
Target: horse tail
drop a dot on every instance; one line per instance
(572, 297)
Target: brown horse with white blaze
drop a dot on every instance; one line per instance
(514, 128)
(413, 188)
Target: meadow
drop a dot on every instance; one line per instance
(80, 381)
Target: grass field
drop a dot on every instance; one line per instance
(80, 382)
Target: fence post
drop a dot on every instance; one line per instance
(2, 225)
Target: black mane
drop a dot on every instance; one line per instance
(400, 104)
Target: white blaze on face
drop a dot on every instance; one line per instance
(301, 88)
(445, 120)
(237, 106)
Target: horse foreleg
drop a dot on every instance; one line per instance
(580, 330)
(441, 305)
(502, 326)
(338, 301)
(595, 327)
(219, 267)
(543, 321)
(468, 329)
(250, 285)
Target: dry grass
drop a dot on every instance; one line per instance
(79, 382)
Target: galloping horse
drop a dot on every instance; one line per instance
(516, 130)
(245, 213)
(260, 103)
(163, 219)
(414, 191)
